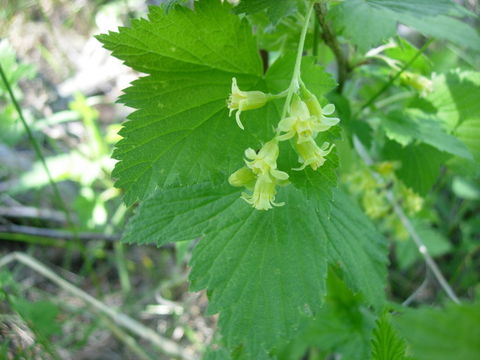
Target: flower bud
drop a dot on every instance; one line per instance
(417, 81)
(243, 177)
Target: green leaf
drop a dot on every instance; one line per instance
(40, 315)
(364, 24)
(420, 8)
(406, 126)
(386, 344)
(405, 52)
(420, 164)
(181, 132)
(455, 95)
(444, 27)
(469, 132)
(357, 248)
(276, 9)
(369, 22)
(218, 354)
(343, 326)
(264, 270)
(170, 4)
(442, 334)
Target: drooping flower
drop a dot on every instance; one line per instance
(263, 196)
(300, 123)
(261, 176)
(306, 120)
(265, 161)
(244, 100)
(324, 122)
(310, 154)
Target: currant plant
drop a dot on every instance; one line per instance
(242, 152)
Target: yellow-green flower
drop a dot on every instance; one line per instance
(306, 120)
(299, 123)
(244, 100)
(265, 161)
(263, 196)
(323, 121)
(310, 154)
(261, 176)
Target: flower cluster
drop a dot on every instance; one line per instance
(373, 197)
(261, 176)
(306, 119)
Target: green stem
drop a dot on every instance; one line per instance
(395, 77)
(295, 82)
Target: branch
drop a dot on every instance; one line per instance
(33, 213)
(328, 35)
(422, 249)
(397, 74)
(55, 234)
(163, 344)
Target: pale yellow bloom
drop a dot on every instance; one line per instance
(324, 122)
(244, 100)
(261, 176)
(263, 196)
(310, 154)
(306, 120)
(265, 161)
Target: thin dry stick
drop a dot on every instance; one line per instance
(362, 151)
(165, 345)
(55, 233)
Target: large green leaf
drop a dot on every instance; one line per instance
(264, 270)
(360, 250)
(455, 95)
(420, 8)
(181, 132)
(442, 334)
(368, 22)
(444, 27)
(419, 164)
(276, 9)
(469, 132)
(365, 25)
(406, 126)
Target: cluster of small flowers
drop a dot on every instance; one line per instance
(372, 196)
(306, 119)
